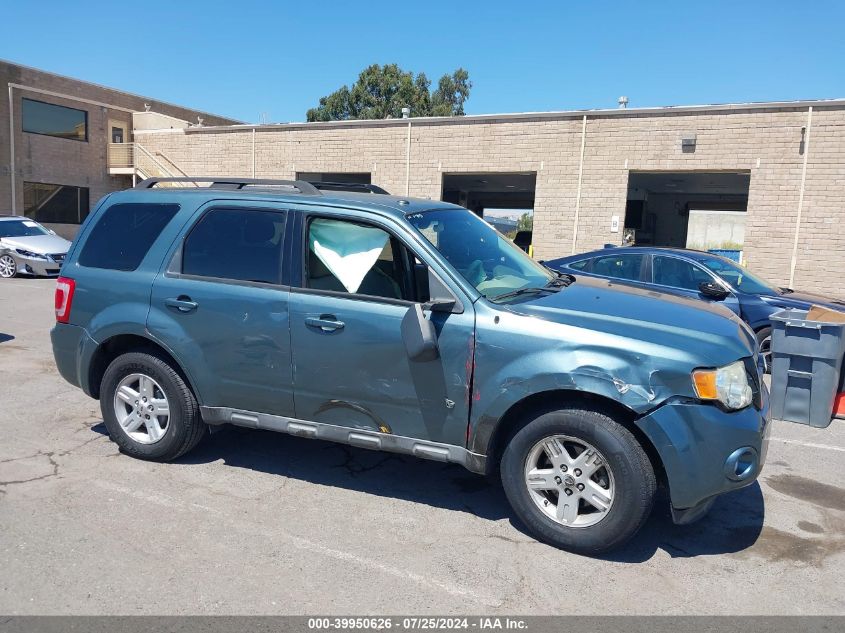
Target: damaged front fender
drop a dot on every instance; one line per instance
(552, 357)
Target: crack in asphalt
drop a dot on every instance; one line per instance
(51, 458)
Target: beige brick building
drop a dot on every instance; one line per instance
(780, 164)
(56, 141)
(773, 172)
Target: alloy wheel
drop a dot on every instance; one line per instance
(569, 480)
(8, 266)
(766, 352)
(141, 408)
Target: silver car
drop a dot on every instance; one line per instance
(28, 248)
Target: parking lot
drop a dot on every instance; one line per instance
(259, 523)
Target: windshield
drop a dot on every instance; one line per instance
(21, 228)
(482, 255)
(738, 277)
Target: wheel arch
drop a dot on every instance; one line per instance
(525, 410)
(120, 344)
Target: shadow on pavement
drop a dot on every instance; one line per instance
(733, 524)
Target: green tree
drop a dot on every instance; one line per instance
(525, 222)
(382, 91)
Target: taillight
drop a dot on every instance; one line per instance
(64, 298)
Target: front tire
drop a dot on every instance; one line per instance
(8, 266)
(578, 480)
(149, 410)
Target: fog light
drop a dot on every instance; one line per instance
(741, 464)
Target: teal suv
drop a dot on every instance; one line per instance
(409, 326)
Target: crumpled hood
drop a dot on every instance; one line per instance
(650, 320)
(43, 244)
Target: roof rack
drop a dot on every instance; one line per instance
(293, 186)
(349, 186)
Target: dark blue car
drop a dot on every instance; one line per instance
(697, 274)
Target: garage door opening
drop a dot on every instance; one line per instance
(701, 210)
(354, 178)
(505, 200)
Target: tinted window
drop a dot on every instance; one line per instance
(671, 271)
(242, 244)
(619, 266)
(54, 120)
(582, 265)
(123, 235)
(61, 204)
(356, 258)
(738, 277)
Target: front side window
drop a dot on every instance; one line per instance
(346, 256)
(57, 204)
(38, 117)
(628, 267)
(239, 244)
(482, 255)
(21, 228)
(123, 235)
(738, 277)
(677, 273)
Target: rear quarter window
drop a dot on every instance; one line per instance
(124, 233)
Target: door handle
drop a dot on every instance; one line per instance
(182, 303)
(325, 322)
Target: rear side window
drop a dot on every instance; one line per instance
(123, 235)
(239, 244)
(619, 266)
(581, 265)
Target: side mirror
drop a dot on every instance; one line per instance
(419, 335)
(712, 290)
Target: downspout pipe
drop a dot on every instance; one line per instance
(580, 176)
(253, 152)
(408, 161)
(12, 151)
(794, 259)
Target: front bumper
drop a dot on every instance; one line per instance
(36, 266)
(707, 451)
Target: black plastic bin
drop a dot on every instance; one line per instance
(806, 362)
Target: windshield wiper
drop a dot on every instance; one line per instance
(522, 291)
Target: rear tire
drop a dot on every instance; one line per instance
(581, 456)
(149, 410)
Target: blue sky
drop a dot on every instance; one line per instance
(244, 58)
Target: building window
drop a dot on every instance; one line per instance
(57, 204)
(54, 120)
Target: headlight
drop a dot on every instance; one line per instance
(728, 384)
(30, 254)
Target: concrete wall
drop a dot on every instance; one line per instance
(763, 139)
(53, 160)
(716, 229)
